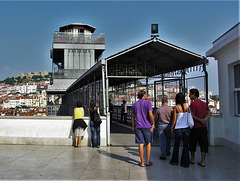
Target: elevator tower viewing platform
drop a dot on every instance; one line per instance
(75, 50)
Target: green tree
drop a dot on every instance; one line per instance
(47, 76)
(10, 81)
(215, 97)
(35, 77)
(18, 79)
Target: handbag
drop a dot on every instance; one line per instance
(190, 119)
(97, 119)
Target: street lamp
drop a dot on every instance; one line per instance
(154, 30)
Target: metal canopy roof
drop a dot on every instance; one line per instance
(165, 57)
(157, 56)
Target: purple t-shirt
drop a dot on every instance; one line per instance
(140, 109)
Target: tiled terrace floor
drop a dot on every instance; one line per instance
(117, 162)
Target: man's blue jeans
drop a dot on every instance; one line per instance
(164, 133)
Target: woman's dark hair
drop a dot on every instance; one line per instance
(180, 99)
(141, 94)
(92, 105)
(79, 104)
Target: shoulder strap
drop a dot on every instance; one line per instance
(189, 110)
(177, 109)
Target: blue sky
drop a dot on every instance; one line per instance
(27, 27)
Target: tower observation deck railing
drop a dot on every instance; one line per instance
(70, 38)
(68, 73)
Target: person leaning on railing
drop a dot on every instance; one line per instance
(79, 124)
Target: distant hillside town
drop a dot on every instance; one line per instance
(28, 77)
(24, 95)
(169, 90)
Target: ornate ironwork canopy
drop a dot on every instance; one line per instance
(150, 58)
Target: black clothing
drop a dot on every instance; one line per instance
(79, 123)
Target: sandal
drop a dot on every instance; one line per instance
(201, 165)
(149, 164)
(139, 164)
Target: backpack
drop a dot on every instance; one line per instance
(97, 119)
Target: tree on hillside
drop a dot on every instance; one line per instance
(47, 76)
(36, 77)
(10, 81)
(19, 80)
(26, 79)
(215, 97)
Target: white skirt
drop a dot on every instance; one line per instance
(79, 132)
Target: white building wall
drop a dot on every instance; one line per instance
(26, 88)
(43, 99)
(44, 131)
(76, 60)
(66, 64)
(92, 52)
(14, 103)
(87, 56)
(79, 58)
(70, 60)
(226, 85)
(225, 129)
(6, 105)
(87, 32)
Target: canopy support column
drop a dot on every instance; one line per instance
(147, 85)
(162, 76)
(155, 95)
(107, 107)
(103, 89)
(206, 78)
(94, 87)
(135, 90)
(183, 81)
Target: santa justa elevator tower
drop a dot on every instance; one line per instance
(75, 50)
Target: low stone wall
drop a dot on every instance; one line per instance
(44, 131)
(217, 136)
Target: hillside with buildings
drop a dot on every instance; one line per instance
(25, 95)
(28, 77)
(169, 90)
(30, 99)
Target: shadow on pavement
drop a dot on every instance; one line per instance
(119, 157)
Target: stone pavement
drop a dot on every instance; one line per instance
(116, 162)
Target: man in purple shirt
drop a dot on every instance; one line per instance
(143, 125)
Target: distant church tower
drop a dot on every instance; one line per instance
(74, 51)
